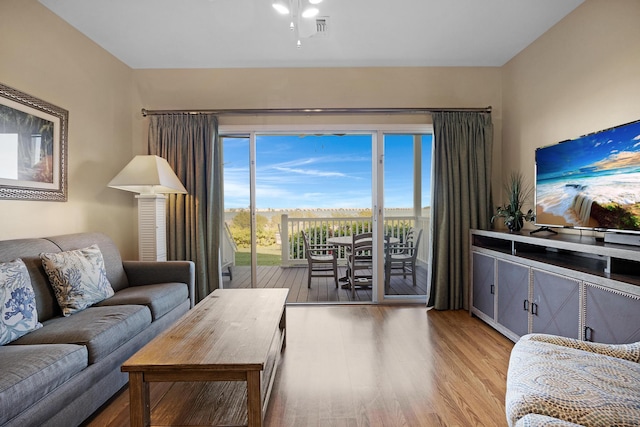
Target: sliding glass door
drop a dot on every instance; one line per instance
(318, 184)
(237, 257)
(329, 185)
(406, 214)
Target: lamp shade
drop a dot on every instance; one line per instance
(148, 175)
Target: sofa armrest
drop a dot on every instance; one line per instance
(622, 351)
(152, 272)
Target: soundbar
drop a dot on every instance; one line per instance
(622, 238)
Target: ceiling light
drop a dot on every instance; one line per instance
(310, 12)
(281, 7)
(301, 13)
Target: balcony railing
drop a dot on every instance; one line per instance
(320, 229)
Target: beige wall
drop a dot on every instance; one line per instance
(582, 76)
(321, 88)
(46, 58)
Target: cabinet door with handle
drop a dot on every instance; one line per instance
(611, 317)
(483, 283)
(555, 308)
(513, 297)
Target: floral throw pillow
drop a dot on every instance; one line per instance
(18, 311)
(78, 278)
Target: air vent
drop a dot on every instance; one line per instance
(322, 27)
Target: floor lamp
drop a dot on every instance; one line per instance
(151, 177)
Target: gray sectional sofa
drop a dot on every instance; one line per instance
(59, 374)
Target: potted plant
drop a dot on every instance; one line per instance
(518, 193)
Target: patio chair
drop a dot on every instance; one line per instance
(322, 260)
(400, 260)
(360, 260)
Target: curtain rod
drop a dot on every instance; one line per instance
(308, 111)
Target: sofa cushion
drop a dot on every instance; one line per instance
(78, 278)
(571, 384)
(30, 372)
(110, 253)
(28, 250)
(160, 298)
(101, 329)
(18, 314)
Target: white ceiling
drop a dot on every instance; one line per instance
(249, 33)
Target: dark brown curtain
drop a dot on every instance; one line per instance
(462, 200)
(190, 144)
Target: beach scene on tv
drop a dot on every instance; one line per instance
(592, 181)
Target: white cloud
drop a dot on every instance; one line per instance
(312, 172)
(292, 163)
(321, 160)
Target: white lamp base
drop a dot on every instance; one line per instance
(152, 233)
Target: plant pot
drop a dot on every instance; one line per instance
(515, 225)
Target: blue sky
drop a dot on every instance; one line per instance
(321, 171)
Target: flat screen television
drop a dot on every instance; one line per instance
(591, 182)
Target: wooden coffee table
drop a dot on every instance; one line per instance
(231, 335)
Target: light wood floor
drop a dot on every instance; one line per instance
(322, 289)
(353, 366)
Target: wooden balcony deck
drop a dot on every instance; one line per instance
(322, 289)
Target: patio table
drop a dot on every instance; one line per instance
(346, 241)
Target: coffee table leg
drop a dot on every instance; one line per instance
(254, 401)
(139, 408)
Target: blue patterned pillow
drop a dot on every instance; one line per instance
(78, 278)
(19, 315)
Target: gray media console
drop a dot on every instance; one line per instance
(563, 284)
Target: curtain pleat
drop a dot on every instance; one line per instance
(190, 145)
(462, 200)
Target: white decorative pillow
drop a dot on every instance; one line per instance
(19, 315)
(78, 278)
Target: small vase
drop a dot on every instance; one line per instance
(516, 225)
